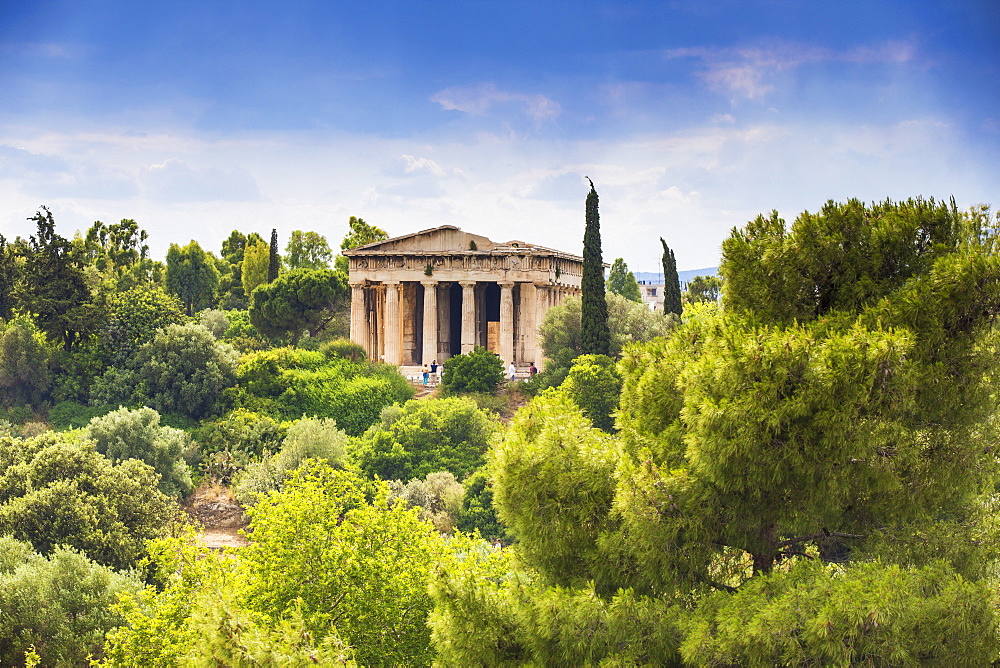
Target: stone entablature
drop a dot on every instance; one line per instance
(432, 294)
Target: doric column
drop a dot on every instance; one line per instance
(468, 315)
(392, 330)
(430, 351)
(359, 316)
(506, 322)
(542, 296)
(444, 322)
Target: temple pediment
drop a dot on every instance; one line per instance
(444, 239)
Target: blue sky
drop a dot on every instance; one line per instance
(197, 118)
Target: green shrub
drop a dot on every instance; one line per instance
(594, 385)
(429, 435)
(438, 498)
(56, 489)
(477, 513)
(308, 438)
(62, 605)
(137, 434)
(477, 371)
(344, 348)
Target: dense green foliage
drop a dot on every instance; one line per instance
(307, 438)
(273, 258)
(702, 289)
(24, 366)
(622, 282)
(797, 479)
(438, 498)
(300, 300)
(137, 434)
(133, 318)
(595, 338)
(478, 370)
(372, 558)
(61, 605)
(594, 384)
(671, 284)
(182, 370)
(288, 383)
(628, 321)
(256, 259)
(425, 436)
(191, 276)
(56, 489)
(307, 250)
(478, 513)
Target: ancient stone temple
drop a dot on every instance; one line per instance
(433, 294)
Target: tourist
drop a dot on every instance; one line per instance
(426, 374)
(533, 370)
(512, 370)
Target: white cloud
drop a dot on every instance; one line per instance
(478, 100)
(750, 72)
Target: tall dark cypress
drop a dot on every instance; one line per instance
(671, 284)
(273, 259)
(595, 337)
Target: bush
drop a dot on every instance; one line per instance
(289, 383)
(477, 371)
(594, 385)
(62, 605)
(137, 434)
(308, 438)
(346, 349)
(24, 366)
(56, 489)
(477, 513)
(182, 370)
(438, 498)
(428, 435)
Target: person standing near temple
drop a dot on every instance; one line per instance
(512, 371)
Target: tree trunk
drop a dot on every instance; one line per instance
(767, 547)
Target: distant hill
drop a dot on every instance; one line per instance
(653, 278)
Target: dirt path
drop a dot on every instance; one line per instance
(214, 508)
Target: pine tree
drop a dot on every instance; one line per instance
(274, 260)
(671, 284)
(595, 338)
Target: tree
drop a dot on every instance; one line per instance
(273, 259)
(628, 322)
(595, 338)
(837, 410)
(56, 489)
(24, 366)
(231, 293)
(622, 282)
(425, 436)
(8, 278)
(308, 438)
(183, 370)
(478, 370)
(256, 260)
(192, 276)
(118, 253)
(594, 384)
(319, 540)
(360, 234)
(61, 605)
(134, 317)
(437, 498)
(137, 434)
(307, 250)
(302, 299)
(53, 288)
(703, 289)
(671, 284)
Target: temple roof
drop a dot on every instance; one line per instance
(452, 240)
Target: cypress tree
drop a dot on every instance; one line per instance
(595, 337)
(273, 260)
(671, 284)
